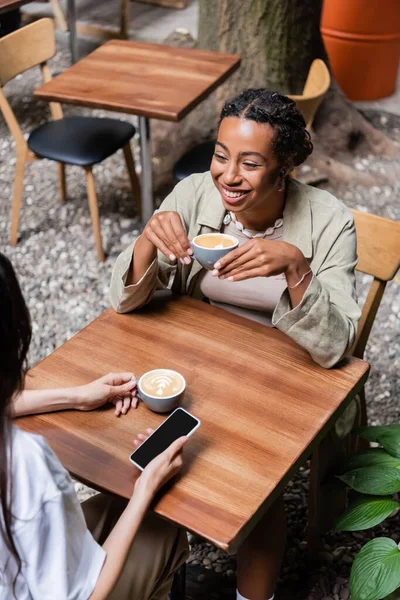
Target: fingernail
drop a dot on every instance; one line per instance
(217, 265)
(215, 272)
(187, 260)
(181, 259)
(230, 278)
(172, 257)
(190, 251)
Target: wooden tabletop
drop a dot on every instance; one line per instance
(263, 404)
(151, 80)
(7, 5)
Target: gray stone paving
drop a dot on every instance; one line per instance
(66, 288)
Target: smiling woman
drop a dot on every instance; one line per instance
(293, 267)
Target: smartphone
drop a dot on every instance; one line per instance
(179, 423)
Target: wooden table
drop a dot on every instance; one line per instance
(7, 5)
(149, 80)
(263, 403)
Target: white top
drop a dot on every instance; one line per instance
(255, 298)
(60, 558)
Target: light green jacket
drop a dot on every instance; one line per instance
(325, 322)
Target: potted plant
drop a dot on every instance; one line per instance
(374, 476)
(362, 39)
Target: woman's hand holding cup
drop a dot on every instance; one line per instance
(166, 232)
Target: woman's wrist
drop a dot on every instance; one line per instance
(296, 268)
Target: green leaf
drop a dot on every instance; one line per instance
(371, 457)
(390, 440)
(376, 570)
(366, 512)
(372, 432)
(377, 480)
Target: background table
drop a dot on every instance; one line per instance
(263, 403)
(6, 5)
(149, 80)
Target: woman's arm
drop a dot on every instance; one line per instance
(151, 262)
(325, 321)
(117, 387)
(118, 543)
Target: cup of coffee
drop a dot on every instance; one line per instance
(161, 389)
(208, 248)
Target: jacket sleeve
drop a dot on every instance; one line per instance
(159, 275)
(325, 321)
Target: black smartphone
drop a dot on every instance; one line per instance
(179, 423)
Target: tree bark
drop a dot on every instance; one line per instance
(277, 40)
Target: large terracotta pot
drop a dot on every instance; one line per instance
(362, 39)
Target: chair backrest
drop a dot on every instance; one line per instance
(26, 48)
(378, 248)
(19, 51)
(315, 88)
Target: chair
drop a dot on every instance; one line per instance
(198, 159)
(83, 141)
(378, 247)
(315, 88)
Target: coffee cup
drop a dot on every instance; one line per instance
(208, 248)
(161, 389)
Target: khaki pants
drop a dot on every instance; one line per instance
(158, 550)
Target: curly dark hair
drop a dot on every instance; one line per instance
(292, 142)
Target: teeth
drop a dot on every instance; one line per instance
(233, 194)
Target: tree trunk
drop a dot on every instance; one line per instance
(277, 40)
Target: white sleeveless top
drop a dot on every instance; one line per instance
(256, 298)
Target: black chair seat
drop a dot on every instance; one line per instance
(82, 141)
(196, 160)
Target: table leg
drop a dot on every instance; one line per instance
(71, 8)
(147, 175)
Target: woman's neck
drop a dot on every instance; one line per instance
(259, 219)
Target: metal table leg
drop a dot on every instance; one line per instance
(147, 174)
(71, 8)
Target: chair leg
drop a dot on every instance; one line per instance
(94, 212)
(62, 182)
(59, 16)
(124, 19)
(135, 184)
(17, 198)
(360, 444)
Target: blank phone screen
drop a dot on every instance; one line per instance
(178, 424)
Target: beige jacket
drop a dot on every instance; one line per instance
(325, 322)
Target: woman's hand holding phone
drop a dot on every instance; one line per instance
(161, 469)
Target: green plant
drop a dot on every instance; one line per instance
(375, 477)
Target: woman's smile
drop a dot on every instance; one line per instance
(232, 195)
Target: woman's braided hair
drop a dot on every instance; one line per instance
(292, 144)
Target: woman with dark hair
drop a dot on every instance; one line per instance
(48, 546)
(293, 268)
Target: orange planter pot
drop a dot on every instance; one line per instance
(362, 39)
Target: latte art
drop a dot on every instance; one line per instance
(161, 383)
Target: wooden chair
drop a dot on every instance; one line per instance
(198, 159)
(82, 141)
(315, 88)
(378, 247)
